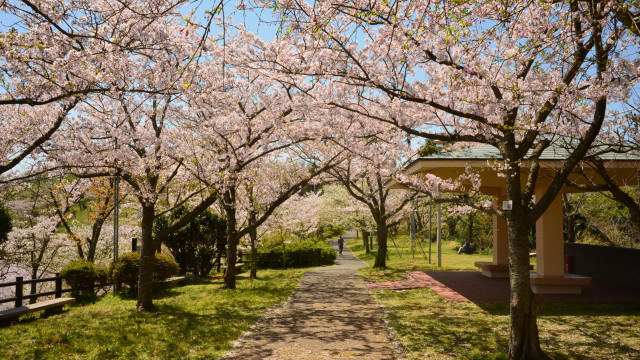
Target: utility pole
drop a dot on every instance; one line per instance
(439, 235)
(413, 231)
(430, 216)
(116, 214)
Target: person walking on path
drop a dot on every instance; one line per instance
(330, 316)
(340, 244)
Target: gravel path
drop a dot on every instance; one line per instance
(330, 315)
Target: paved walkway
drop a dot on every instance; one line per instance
(330, 315)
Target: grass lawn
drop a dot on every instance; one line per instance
(196, 321)
(429, 327)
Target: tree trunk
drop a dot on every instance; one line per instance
(381, 255)
(147, 257)
(253, 235)
(218, 262)
(452, 222)
(365, 240)
(470, 233)
(33, 288)
(232, 246)
(230, 273)
(96, 229)
(524, 342)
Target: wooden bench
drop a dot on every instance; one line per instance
(238, 267)
(176, 279)
(53, 306)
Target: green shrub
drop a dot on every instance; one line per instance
(81, 275)
(165, 267)
(124, 271)
(102, 275)
(298, 254)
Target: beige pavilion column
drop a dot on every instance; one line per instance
(499, 267)
(550, 277)
(500, 236)
(549, 237)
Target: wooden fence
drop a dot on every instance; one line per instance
(19, 284)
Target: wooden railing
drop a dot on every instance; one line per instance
(19, 284)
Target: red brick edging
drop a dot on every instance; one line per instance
(419, 279)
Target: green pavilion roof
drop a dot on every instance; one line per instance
(486, 152)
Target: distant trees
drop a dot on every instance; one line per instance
(195, 246)
(5, 224)
(365, 182)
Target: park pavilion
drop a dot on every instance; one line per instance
(550, 276)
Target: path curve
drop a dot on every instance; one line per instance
(330, 315)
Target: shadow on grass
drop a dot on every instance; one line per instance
(553, 309)
(195, 321)
(610, 336)
(568, 309)
(34, 316)
(429, 324)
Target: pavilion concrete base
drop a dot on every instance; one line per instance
(567, 284)
(492, 270)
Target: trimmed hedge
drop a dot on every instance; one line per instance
(124, 271)
(82, 276)
(299, 254)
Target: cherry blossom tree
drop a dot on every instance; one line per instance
(364, 176)
(52, 56)
(34, 243)
(273, 181)
(299, 215)
(512, 75)
(338, 208)
(260, 141)
(137, 136)
(136, 141)
(93, 195)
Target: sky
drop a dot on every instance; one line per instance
(249, 18)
